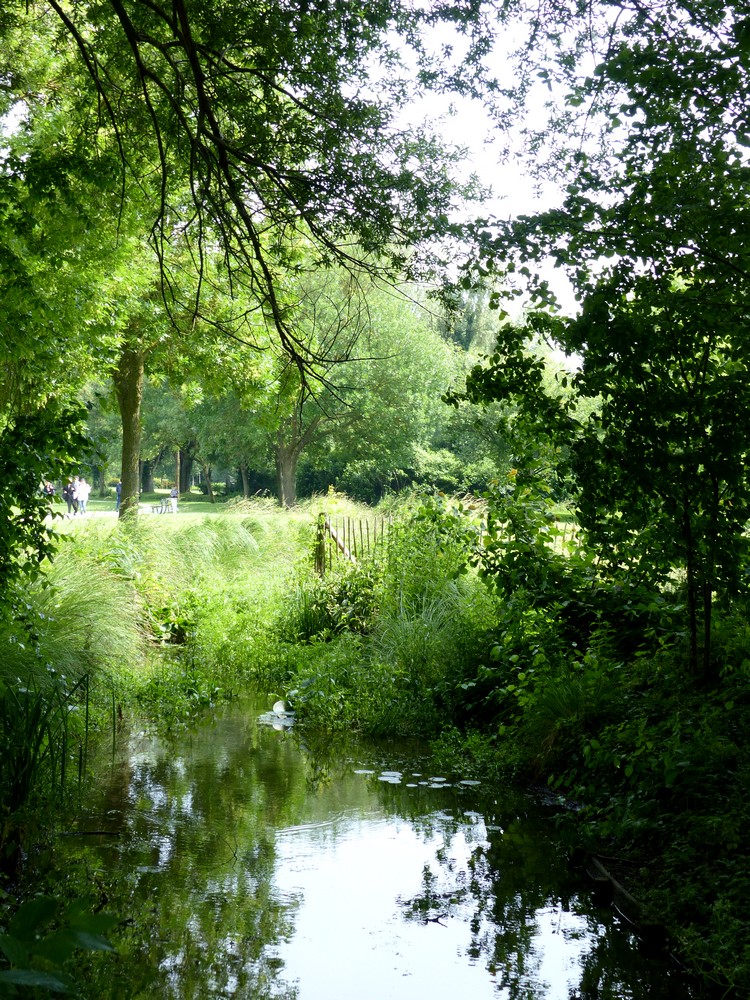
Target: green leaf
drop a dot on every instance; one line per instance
(32, 916)
(14, 950)
(92, 942)
(55, 982)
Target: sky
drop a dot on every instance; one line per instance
(466, 122)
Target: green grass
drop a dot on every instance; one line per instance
(156, 617)
(210, 581)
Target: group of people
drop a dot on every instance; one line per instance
(75, 493)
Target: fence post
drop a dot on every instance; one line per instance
(320, 545)
(349, 539)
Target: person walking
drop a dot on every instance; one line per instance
(68, 495)
(118, 494)
(82, 494)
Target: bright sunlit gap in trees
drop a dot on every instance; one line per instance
(496, 156)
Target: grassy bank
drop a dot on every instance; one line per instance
(523, 660)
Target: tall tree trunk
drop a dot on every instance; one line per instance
(99, 480)
(291, 441)
(147, 475)
(178, 471)
(245, 480)
(128, 380)
(185, 471)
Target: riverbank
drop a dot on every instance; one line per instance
(538, 677)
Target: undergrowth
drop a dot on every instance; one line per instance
(490, 630)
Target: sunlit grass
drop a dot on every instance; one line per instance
(210, 583)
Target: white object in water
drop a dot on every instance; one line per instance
(279, 708)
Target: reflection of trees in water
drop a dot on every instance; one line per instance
(196, 860)
(515, 889)
(502, 922)
(195, 865)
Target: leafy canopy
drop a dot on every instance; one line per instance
(652, 233)
(248, 123)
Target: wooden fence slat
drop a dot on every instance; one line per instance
(349, 538)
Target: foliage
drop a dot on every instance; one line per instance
(582, 686)
(660, 469)
(416, 623)
(78, 626)
(660, 472)
(42, 937)
(374, 399)
(199, 130)
(35, 447)
(551, 669)
(343, 600)
(100, 158)
(36, 740)
(476, 754)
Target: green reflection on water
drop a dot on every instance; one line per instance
(249, 865)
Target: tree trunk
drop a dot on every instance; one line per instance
(178, 471)
(287, 457)
(99, 480)
(128, 380)
(185, 471)
(291, 441)
(245, 480)
(206, 470)
(147, 475)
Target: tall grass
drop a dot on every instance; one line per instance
(388, 643)
(89, 617)
(210, 585)
(113, 617)
(75, 629)
(419, 634)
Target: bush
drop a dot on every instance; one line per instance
(416, 618)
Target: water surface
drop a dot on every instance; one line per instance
(250, 865)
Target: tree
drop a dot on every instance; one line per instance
(653, 234)
(390, 370)
(259, 121)
(251, 412)
(229, 130)
(230, 434)
(54, 269)
(26, 536)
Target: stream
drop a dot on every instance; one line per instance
(248, 864)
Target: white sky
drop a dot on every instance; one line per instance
(467, 123)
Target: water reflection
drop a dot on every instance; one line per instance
(250, 866)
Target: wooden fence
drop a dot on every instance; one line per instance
(354, 540)
(357, 540)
